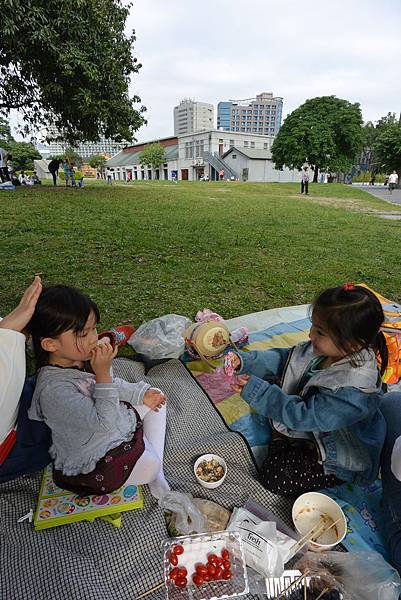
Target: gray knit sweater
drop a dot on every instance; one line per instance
(86, 418)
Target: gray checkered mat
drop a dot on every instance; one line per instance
(98, 561)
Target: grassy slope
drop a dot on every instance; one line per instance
(150, 248)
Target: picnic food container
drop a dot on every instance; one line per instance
(311, 507)
(209, 458)
(196, 550)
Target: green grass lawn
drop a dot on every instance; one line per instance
(149, 248)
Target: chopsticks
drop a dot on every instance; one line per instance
(315, 532)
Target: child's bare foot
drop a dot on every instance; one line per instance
(21, 315)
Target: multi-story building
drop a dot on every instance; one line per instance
(214, 154)
(191, 116)
(85, 149)
(261, 115)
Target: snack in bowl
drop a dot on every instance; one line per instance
(210, 470)
(314, 508)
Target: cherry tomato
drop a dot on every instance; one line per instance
(201, 570)
(227, 575)
(219, 572)
(207, 577)
(225, 555)
(182, 573)
(197, 579)
(173, 559)
(174, 573)
(226, 565)
(218, 561)
(181, 582)
(211, 569)
(178, 549)
(211, 558)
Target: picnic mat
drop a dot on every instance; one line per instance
(98, 561)
(283, 328)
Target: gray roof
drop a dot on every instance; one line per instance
(129, 159)
(254, 153)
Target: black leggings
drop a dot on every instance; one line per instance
(54, 175)
(292, 468)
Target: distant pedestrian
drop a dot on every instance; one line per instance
(392, 181)
(67, 172)
(3, 166)
(305, 181)
(53, 168)
(372, 180)
(10, 167)
(109, 176)
(221, 174)
(35, 179)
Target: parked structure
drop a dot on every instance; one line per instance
(261, 115)
(191, 116)
(205, 154)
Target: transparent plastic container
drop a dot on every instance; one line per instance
(196, 550)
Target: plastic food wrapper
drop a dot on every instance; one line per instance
(266, 548)
(161, 337)
(183, 516)
(357, 575)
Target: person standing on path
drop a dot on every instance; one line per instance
(392, 181)
(305, 181)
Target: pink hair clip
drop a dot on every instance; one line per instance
(348, 287)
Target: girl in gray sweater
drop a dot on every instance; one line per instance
(105, 431)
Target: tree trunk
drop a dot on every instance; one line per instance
(315, 174)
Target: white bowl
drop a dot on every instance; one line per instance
(214, 484)
(309, 508)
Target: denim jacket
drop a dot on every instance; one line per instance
(338, 407)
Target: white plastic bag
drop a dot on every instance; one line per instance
(188, 517)
(161, 337)
(266, 549)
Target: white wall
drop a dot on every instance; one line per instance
(261, 170)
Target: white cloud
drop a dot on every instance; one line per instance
(221, 49)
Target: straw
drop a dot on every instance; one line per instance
(153, 589)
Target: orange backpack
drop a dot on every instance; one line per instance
(392, 332)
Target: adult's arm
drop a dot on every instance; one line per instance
(12, 375)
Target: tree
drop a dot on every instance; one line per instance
(69, 63)
(153, 155)
(387, 146)
(5, 131)
(98, 161)
(324, 132)
(23, 155)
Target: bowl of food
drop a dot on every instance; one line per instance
(210, 471)
(322, 517)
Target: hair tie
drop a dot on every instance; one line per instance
(348, 287)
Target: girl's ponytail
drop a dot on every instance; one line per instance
(380, 346)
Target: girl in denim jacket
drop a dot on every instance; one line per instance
(323, 396)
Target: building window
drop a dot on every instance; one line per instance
(231, 143)
(246, 144)
(252, 144)
(189, 150)
(265, 147)
(233, 156)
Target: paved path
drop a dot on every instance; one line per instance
(382, 193)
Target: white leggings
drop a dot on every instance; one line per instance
(149, 468)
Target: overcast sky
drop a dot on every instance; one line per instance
(214, 50)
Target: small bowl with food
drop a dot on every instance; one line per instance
(210, 471)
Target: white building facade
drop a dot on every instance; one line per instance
(214, 154)
(85, 149)
(191, 116)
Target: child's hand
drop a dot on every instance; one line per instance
(154, 399)
(102, 357)
(20, 316)
(241, 382)
(235, 360)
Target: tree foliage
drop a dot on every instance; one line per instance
(98, 161)
(69, 63)
(153, 155)
(23, 153)
(324, 132)
(72, 156)
(388, 147)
